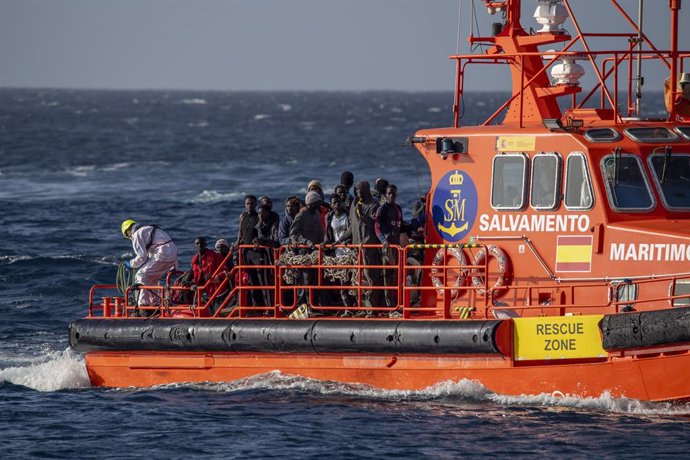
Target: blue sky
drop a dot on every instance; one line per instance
(265, 44)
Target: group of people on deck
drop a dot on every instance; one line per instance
(368, 218)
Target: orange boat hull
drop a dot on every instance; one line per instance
(660, 376)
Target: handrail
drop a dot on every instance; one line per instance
(435, 301)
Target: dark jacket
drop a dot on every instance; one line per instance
(362, 221)
(247, 231)
(388, 223)
(307, 227)
(267, 233)
(284, 229)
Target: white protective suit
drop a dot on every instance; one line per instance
(153, 264)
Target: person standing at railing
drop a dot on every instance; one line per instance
(341, 191)
(337, 224)
(362, 231)
(155, 255)
(380, 187)
(307, 231)
(273, 216)
(267, 238)
(292, 206)
(347, 180)
(246, 235)
(388, 225)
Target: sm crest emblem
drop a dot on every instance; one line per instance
(454, 207)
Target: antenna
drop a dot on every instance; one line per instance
(639, 78)
(457, 44)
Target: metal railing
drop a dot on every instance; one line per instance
(460, 291)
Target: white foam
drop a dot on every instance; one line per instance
(193, 101)
(464, 390)
(261, 116)
(200, 124)
(212, 196)
(81, 171)
(285, 107)
(56, 371)
(434, 109)
(604, 403)
(116, 166)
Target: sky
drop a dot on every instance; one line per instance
(268, 44)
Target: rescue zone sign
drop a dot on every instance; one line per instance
(552, 337)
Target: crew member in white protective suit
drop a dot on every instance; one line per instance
(155, 255)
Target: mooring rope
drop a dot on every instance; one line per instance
(343, 275)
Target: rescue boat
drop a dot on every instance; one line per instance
(556, 256)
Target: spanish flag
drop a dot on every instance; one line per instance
(574, 253)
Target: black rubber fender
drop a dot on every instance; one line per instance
(272, 336)
(286, 336)
(646, 329)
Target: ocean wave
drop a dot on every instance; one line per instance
(261, 116)
(81, 171)
(58, 370)
(212, 196)
(462, 391)
(101, 260)
(193, 101)
(116, 166)
(285, 107)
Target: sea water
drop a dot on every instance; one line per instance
(74, 164)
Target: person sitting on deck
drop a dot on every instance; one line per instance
(307, 231)
(155, 254)
(223, 249)
(204, 264)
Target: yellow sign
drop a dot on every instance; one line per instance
(516, 143)
(558, 337)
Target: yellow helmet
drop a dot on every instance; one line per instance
(126, 225)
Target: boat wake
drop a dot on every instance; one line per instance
(55, 371)
(448, 392)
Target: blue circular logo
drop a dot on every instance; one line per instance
(454, 207)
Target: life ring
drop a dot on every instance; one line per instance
(504, 271)
(437, 271)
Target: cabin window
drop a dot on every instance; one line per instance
(602, 135)
(653, 134)
(680, 288)
(672, 176)
(684, 130)
(578, 187)
(626, 183)
(546, 172)
(509, 179)
(624, 291)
